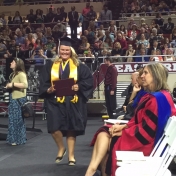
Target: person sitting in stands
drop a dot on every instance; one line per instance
(145, 128)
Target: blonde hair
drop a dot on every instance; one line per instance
(160, 74)
(74, 57)
(117, 44)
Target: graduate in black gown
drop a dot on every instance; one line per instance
(67, 115)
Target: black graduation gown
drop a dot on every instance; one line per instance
(66, 116)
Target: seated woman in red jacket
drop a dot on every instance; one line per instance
(145, 128)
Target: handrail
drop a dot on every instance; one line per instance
(141, 13)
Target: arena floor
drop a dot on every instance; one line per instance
(37, 156)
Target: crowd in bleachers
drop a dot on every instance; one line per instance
(36, 36)
(21, 2)
(136, 8)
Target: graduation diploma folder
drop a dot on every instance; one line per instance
(64, 87)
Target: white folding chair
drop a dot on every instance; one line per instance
(157, 163)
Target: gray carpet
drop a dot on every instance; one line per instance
(36, 157)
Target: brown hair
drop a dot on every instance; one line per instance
(19, 66)
(160, 75)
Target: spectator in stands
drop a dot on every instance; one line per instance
(29, 53)
(42, 38)
(42, 28)
(132, 34)
(107, 44)
(142, 31)
(25, 46)
(102, 29)
(143, 41)
(135, 13)
(20, 38)
(91, 35)
(91, 15)
(56, 34)
(4, 21)
(18, 53)
(17, 19)
(152, 24)
(3, 48)
(165, 47)
(60, 26)
(117, 51)
(173, 35)
(58, 16)
(131, 22)
(122, 42)
(84, 46)
(17, 86)
(105, 53)
(85, 23)
(28, 28)
(155, 36)
(10, 22)
(142, 57)
(112, 33)
(38, 44)
(31, 38)
(105, 16)
(159, 20)
(123, 30)
(167, 42)
(39, 17)
(99, 35)
(8, 30)
(51, 46)
(170, 56)
(50, 16)
(154, 46)
(64, 14)
(39, 56)
(155, 56)
(48, 32)
(5, 36)
(47, 52)
(130, 52)
(31, 17)
(73, 22)
(168, 27)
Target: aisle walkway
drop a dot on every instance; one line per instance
(36, 158)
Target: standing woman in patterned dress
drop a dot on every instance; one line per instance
(17, 88)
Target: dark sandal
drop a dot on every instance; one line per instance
(72, 163)
(60, 158)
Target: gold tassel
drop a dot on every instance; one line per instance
(60, 99)
(75, 99)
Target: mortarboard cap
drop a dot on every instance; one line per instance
(67, 41)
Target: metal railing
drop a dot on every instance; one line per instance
(83, 59)
(149, 13)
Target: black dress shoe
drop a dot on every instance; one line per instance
(60, 158)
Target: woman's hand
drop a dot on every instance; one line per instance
(9, 85)
(116, 130)
(51, 90)
(75, 87)
(136, 87)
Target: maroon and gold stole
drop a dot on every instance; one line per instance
(73, 74)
